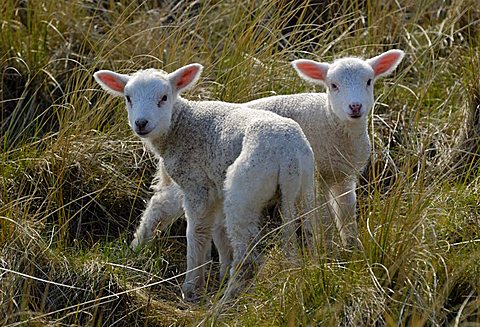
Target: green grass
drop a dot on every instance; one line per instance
(74, 180)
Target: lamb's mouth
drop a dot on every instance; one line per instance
(356, 115)
(143, 133)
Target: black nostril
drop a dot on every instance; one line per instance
(355, 107)
(141, 123)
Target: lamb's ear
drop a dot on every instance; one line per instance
(310, 70)
(184, 78)
(386, 63)
(111, 82)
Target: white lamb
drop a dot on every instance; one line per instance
(334, 122)
(228, 160)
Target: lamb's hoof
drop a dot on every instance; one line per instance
(232, 291)
(353, 244)
(238, 282)
(224, 274)
(189, 293)
(135, 245)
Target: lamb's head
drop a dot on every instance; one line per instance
(349, 81)
(149, 95)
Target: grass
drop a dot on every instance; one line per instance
(74, 180)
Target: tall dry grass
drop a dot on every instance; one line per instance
(74, 180)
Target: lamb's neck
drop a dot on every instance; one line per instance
(356, 129)
(158, 145)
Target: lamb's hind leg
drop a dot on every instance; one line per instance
(289, 214)
(310, 218)
(222, 243)
(243, 229)
(248, 187)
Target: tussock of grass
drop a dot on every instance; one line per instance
(73, 180)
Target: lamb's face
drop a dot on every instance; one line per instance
(149, 100)
(349, 85)
(349, 81)
(149, 95)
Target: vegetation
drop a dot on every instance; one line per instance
(74, 180)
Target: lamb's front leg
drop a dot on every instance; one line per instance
(342, 203)
(200, 220)
(162, 210)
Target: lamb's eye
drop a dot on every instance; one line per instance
(128, 99)
(162, 101)
(369, 82)
(334, 86)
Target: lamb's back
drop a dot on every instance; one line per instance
(338, 153)
(208, 137)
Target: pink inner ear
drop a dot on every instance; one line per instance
(384, 63)
(187, 76)
(112, 82)
(311, 70)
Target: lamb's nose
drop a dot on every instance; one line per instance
(141, 123)
(355, 107)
